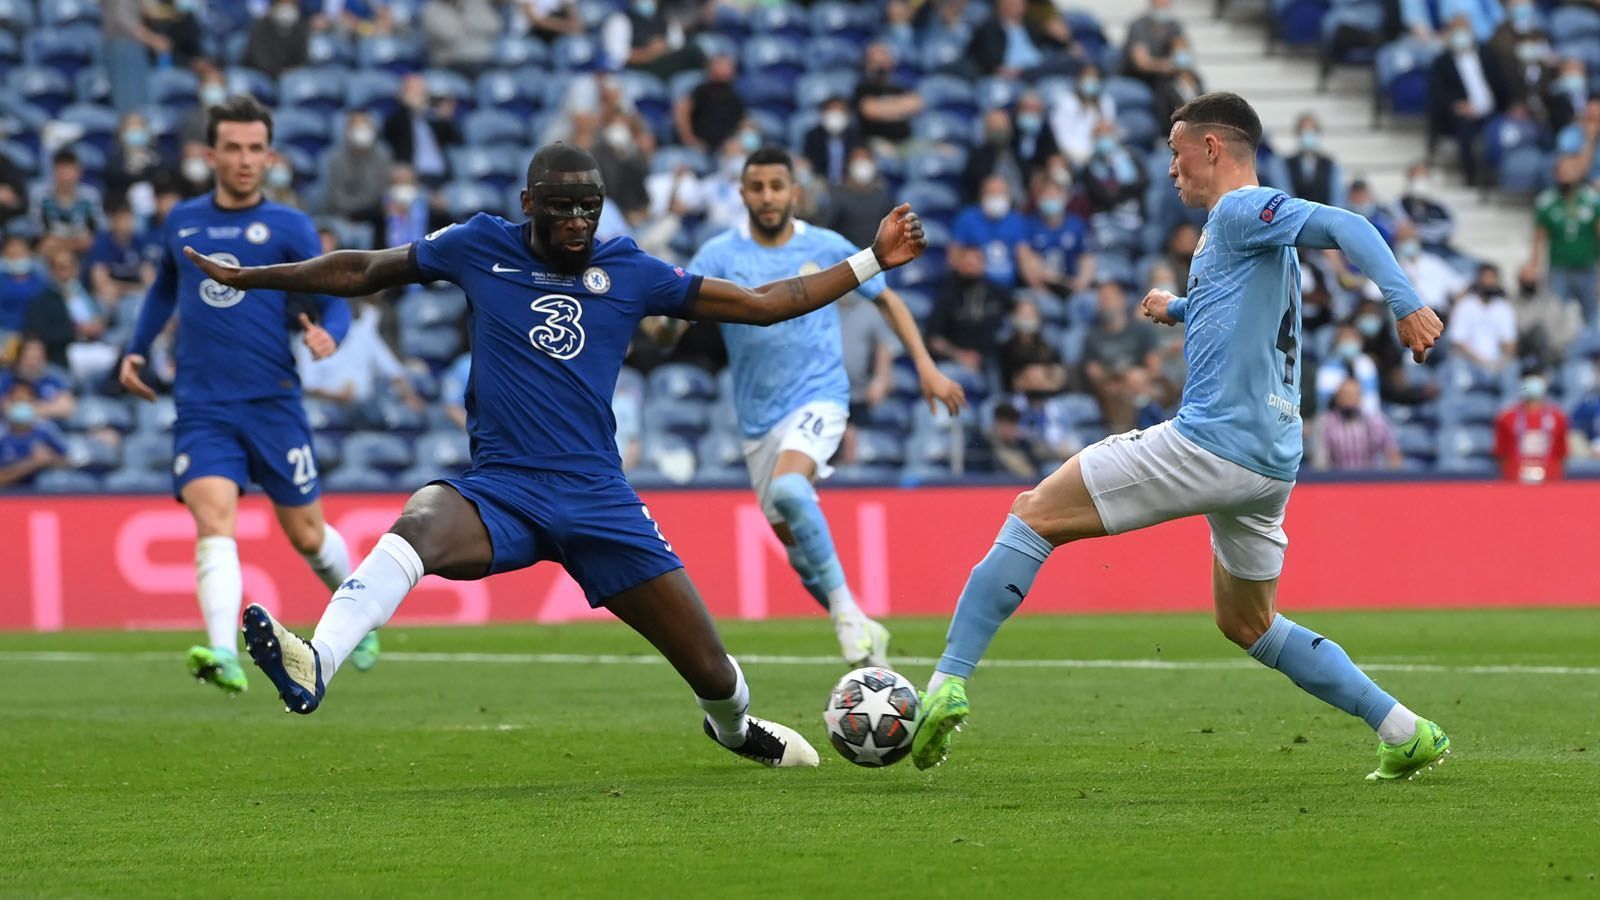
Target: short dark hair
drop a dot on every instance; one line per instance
(238, 108)
(559, 157)
(1225, 109)
(769, 156)
(64, 156)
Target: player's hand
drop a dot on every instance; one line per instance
(318, 340)
(218, 271)
(1420, 331)
(900, 238)
(938, 387)
(129, 377)
(1154, 307)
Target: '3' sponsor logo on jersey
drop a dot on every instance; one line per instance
(217, 294)
(560, 335)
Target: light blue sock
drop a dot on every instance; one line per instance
(1322, 669)
(796, 501)
(808, 578)
(993, 592)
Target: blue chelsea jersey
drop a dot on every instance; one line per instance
(547, 346)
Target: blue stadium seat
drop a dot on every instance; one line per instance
(514, 52)
(21, 156)
(875, 447)
(392, 53)
(56, 13)
(942, 52)
(855, 22)
(949, 94)
(1401, 77)
(1417, 442)
(351, 479)
(1139, 127)
(665, 415)
(493, 128)
(41, 86)
(234, 45)
(768, 91)
(100, 412)
(1298, 23)
(431, 307)
(92, 85)
(137, 481)
(780, 20)
(1129, 93)
(669, 158)
(376, 450)
(147, 451)
(67, 50)
(99, 123)
(1086, 30)
(91, 454)
(377, 92)
(259, 85)
(447, 83)
(10, 49)
(519, 92)
(996, 92)
(439, 344)
(493, 167)
(773, 56)
(681, 381)
(719, 450)
(1525, 170)
(1574, 23)
(1460, 442)
(1077, 409)
(826, 53)
(16, 15)
(576, 53)
(324, 416)
(328, 48)
(329, 450)
(303, 163)
(815, 87)
(157, 417)
(319, 90)
(1586, 49)
(714, 44)
(449, 449)
(174, 87)
(66, 481)
(937, 128)
(304, 129)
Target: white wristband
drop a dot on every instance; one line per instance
(865, 264)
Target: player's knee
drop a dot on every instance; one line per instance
(1031, 509)
(1243, 629)
(305, 537)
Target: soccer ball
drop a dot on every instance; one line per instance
(871, 716)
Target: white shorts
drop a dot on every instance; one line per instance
(1143, 478)
(814, 429)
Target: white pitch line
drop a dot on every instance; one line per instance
(588, 659)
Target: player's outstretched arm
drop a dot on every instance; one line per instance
(1329, 227)
(342, 273)
(900, 240)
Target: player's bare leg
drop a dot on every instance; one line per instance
(213, 501)
(668, 612)
(323, 548)
(809, 542)
(1246, 613)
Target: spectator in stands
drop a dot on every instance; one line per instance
(1546, 324)
(1147, 52)
(708, 115)
(830, 143)
(126, 53)
(406, 213)
(361, 18)
(1029, 364)
(942, 20)
(1348, 362)
(179, 22)
(357, 173)
(1360, 201)
(1183, 85)
(66, 210)
(1060, 261)
(627, 407)
(997, 155)
(642, 37)
(277, 183)
(1530, 437)
(1583, 434)
(860, 201)
(1113, 178)
(1466, 88)
(1479, 16)
(119, 261)
(1016, 450)
(1566, 94)
(884, 107)
(1034, 143)
(52, 387)
(28, 446)
(869, 351)
(66, 312)
(194, 173)
(13, 186)
(1566, 238)
(995, 229)
(623, 153)
(1078, 113)
(355, 378)
(1147, 408)
(550, 19)
(453, 388)
(1179, 249)
(421, 131)
(1436, 225)
(1313, 175)
(968, 311)
(461, 33)
(1012, 45)
(279, 40)
(21, 282)
(1353, 434)
(1483, 326)
(1437, 282)
(1115, 344)
(133, 159)
(213, 89)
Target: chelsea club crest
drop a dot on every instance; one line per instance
(596, 281)
(257, 233)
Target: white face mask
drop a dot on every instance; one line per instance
(213, 94)
(835, 121)
(362, 136)
(195, 170)
(403, 194)
(285, 15)
(995, 206)
(862, 170)
(618, 135)
(1421, 186)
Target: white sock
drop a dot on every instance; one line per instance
(220, 588)
(1399, 726)
(331, 562)
(728, 715)
(842, 603)
(937, 679)
(366, 600)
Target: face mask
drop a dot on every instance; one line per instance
(279, 177)
(1025, 325)
(1523, 16)
(19, 266)
(1089, 87)
(136, 137)
(21, 413)
(996, 206)
(1052, 207)
(1309, 141)
(618, 135)
(1349, 350)
(403, 194)
(835, 121)
(862, 170)
(1062, 177)
(1409, 249)
(1349, 413)
(186, 6)
(1460, 41)
(362, 136)
(213, 94)
(1164, 16)
(1369, 326)
(1574, 83)
(749, 141)
(1105, 145)
(1030, 121)
(1533, 387)
(1184, 60)
(195, 170)
(285, 15)
(1420, 186)
(646, 8)
(1530, 52)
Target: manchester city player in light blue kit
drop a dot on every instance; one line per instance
(552, 315)
(790, 390)
(239, 413)
(1232, 452)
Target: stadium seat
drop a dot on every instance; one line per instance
(942, 52)
(494, 128)
(670, 158)
(439, 344)
(444, 449)
(67, 50)
(576, 53)
(10, 49)
(1524, 170)
(99, 123)
(1417, 442)
(780, 20)
(518, 92)
(719, 450)
(937, 127)
(318, 90)
(66, 481)
(1298, 23)
(854, 22)
(174, 87)
(681, 381)
(147, 451)
(326, 48)
(91, 454)
(40, 86)
(376, 450)
(685, 418)
(863, 474)
(827, 53)
(1401, 78)
(100, 412)
(493, 167)
(770, 92)
(1077, 409)
(377, 92)
(137, 481)
(16, 16)
(1129, 93)
(303, 129)
(157, 417)
(815, 87)
(997, 92)
(773, 56)
(357, 479)
(515, 52)
(669, 456)
(1574, 22)
(1461, 442)
(20, 156)
(949, 94)
(329, 449)
(56, 13)
(1139, 127)
(431, 307)
(392, 53)
(259, 85)
(447, 83)
(874, 447)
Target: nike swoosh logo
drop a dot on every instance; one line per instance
(1013, 589)
(185, 232)
(1413, 751)
(307, 488)
(497, 268)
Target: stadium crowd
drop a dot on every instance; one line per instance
(1032, 147)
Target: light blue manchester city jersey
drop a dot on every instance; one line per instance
(1242, 346)
(779, 368)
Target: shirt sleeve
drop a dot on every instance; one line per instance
(159, 302)
(667, 289)
(1327, 227)
(438, 256)
(1262, 219)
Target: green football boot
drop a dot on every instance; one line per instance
(943, 711)
(365, 655)
(219, 666)
(1411, 758)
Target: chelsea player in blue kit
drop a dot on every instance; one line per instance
(790, 391)
(238, 397)
(551, 319)
(1232, 452)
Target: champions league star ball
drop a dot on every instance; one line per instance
(871, 716)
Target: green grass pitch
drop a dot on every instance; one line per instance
(1135, 756)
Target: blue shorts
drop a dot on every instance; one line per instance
(595, 526)
(266, 441)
